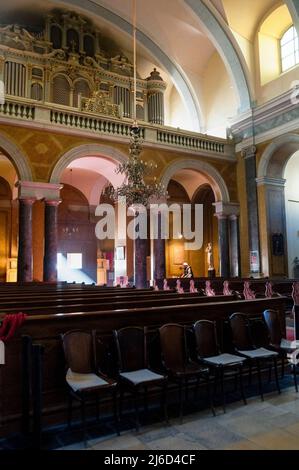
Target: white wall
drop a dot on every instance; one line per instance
(292, 209)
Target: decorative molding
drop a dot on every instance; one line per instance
(277, 116)
(227, 209)
(267, 181)
(38, 191)
(249, 152)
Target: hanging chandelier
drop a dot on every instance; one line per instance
(134, 189)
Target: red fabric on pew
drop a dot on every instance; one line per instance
(10, 324)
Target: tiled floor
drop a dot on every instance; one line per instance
(269, 425)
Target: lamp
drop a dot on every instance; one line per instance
(134, 189)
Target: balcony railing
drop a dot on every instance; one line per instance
(51, 116)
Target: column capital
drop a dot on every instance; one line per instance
(38, 190)
(248, 152)
(52, 202)
(226, 209)
(27, 201)
(221, 216)
(266, 180)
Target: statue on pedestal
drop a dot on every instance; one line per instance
(210, 260)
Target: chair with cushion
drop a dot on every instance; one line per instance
(135, 374)
(244, 346)
(84, 380)
(222, 365)
(278, 342)
(177, 362)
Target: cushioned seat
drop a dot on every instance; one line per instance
(260, 353)
(79, 382)
(224, 360)
(243, 340)
(141, 376)
(134, 372)
(220, 364)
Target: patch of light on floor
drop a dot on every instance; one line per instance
(65, 273)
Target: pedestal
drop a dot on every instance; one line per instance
(211, 273)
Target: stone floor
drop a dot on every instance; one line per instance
(269, 425)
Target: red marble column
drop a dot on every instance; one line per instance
(159, 253)
(25, 258)
(51, 241)
(140, 254)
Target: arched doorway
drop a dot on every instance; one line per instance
(189, 187)
(202, 184)
(291, 176)
(8, 221)
(277, 201)
(85, 172)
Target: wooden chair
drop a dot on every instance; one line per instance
(209, 354)
(244, 346)
(180, 368)
(277, 341)
(83, 378)
(134, 371)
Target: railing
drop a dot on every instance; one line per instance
(86, 122)
(18, 110)
(190, 142)
(54, 115)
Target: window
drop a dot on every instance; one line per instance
(74, 260)
(289, 46)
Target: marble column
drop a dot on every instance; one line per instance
(140, 257)
(249, 155)
(25, 258)
(223, 241)
(234, 243)
(159, 253)
(51, 245)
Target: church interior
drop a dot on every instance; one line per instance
(149, 342)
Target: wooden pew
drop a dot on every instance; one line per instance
(46, 330)
(45, 308)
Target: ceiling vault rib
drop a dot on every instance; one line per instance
(227, 48)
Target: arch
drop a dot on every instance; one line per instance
(15, 155)
(228, 48)
(276, 156)
(215, 179)
(293, 6)
(87, 150)
(180, 80)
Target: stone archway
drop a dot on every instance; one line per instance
(213, 176)
(91, 167)
(226, 212)
(94, 150)
(271, 194)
